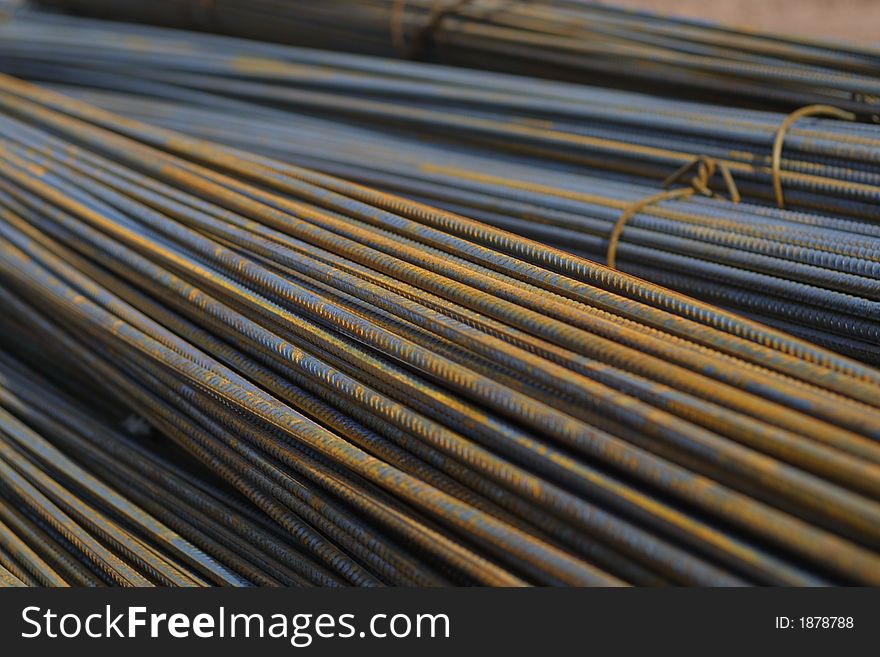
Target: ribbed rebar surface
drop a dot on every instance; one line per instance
(557, 163)
(573, 40)
(346, 387)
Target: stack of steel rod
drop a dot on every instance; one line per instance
(815, 276)
(825, 165)
(513, 152)
(408, 404)
(561, 39)
(83, 503)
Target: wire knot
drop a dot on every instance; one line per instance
(438, 13)
(706, 167)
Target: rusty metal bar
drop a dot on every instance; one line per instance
(396, 400)
(556, 163)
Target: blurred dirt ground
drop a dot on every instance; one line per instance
(846, 20)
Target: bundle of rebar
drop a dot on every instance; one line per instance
(404, 399)
(557, 163)
(825, 165)
(561, 39)
(84, 503)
